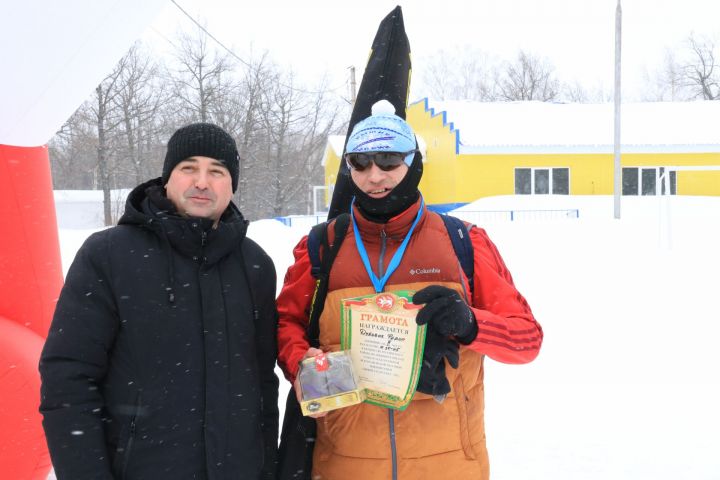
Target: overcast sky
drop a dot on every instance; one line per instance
(577, 36)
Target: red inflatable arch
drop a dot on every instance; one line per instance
(30, 264)
(30, 279)
(53, 56)
(23, 451)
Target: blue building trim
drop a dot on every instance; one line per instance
(449, 125)
(445, 207)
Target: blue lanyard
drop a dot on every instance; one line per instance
(379, 283)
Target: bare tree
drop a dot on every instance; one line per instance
(528, 78)
(701, 74)
(139, 100)
(250, 104)
(666, 83)
(202, 80)
(284, 114)
(575, 93)
(73, 153)
(110, 128)
(471, 74)
(688, 73)
(309, 143)
(305, 122)
(459, 74)
(106, 120)
(281, 129)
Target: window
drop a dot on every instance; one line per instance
(649, 181)
(646, 181)
(629, 181)
(523, 181)
(673, 182)
(542, 181)
(561, 181)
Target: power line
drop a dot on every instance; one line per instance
(210, 34)
(159, 34)
(248, 65)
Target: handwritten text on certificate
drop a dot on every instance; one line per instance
(386, 345)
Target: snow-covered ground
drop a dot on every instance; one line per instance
(627, 385)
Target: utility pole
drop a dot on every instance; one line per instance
(618, 165)
(353, 86)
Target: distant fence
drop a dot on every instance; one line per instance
(473, 216)
(308, 221)
(482, 216)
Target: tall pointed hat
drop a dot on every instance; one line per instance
(386, 77)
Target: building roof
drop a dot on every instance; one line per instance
(541, 127)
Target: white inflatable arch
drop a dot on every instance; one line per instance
(53, 55)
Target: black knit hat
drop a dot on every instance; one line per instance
(202, 140)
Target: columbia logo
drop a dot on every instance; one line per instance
(424, 271)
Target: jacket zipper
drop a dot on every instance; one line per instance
(393, 447)
(131, 438)
(203, 241)
(391, 413)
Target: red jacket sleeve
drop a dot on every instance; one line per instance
(507, 329)
(293, 305)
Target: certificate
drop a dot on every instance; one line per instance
(386, 345)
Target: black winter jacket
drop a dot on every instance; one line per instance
(160, 359)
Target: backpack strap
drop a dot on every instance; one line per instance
(320, 268)
(316, 238)
(458, 232)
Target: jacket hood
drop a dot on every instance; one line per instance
(195, 237)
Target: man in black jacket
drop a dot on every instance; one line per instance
(160, 359)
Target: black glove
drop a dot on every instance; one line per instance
(447, 312)
(432, 373)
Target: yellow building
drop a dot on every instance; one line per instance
(477, 149)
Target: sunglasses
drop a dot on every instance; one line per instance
(385, 161)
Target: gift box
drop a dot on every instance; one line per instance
(328, 382)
